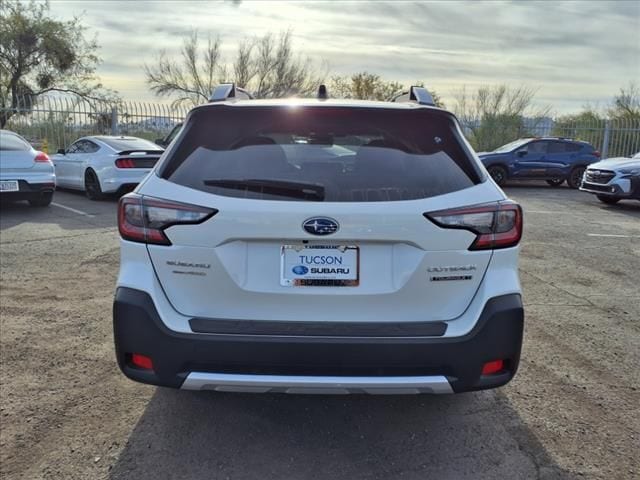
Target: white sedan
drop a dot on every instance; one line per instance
(103, 164)
(25, 173)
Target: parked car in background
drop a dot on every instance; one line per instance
(319, 246)
(613, 179)
(103, 164)
(25, 173)
(552, 159)
(164, 142)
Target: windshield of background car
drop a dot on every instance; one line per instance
(340, 154)
(129, 143)
(13, 143)
(511, 146)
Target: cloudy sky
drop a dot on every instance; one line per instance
(574, 52)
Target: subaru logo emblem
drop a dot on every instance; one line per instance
(320, 226)
(300, 270)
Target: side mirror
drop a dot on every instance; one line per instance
(61, 151)
(521, 153)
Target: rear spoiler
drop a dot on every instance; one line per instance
(141, 152)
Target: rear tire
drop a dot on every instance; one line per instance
(42, 200)
(498, 173)
(575, 177)
(555, 182)
(609, 200)
(92, 186)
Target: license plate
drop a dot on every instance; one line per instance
(8, 186)
(319, 266)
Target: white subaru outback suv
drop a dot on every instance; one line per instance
(319, 246)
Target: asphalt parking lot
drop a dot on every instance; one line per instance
(573, 410)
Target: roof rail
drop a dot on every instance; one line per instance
(228, 91)
(415, 94)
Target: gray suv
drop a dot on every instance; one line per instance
(613, 179)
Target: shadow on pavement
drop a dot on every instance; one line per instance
(627, 207)
(102, 213)
(193, 435)
(535, 184)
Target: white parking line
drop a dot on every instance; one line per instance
(611, 235)
(547, 212)
(79, 212)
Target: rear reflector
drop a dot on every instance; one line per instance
(42, 157)
(497, 225)
(141, 361)
(492, 367)
(596, 153)
(144, 219)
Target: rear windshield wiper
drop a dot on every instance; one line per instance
(284, 188)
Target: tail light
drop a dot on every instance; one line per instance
(596, 153)
(125, 163)
(497, 225)
(42, 157)
(144, 219)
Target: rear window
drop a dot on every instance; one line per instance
(331, 154)
(11, 142)
(122, 144)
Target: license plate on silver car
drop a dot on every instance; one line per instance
(9, 186)
(319, 265)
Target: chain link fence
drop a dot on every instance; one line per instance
(53, 122)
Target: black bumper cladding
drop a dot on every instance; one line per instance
(138, 329)
(29, 191)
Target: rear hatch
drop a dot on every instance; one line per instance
(317, 214)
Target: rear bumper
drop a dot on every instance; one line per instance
(317, 363)
(29, 190)
(116, 180)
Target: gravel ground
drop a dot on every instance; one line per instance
(571, 412)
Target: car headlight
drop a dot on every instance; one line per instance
(630, 171)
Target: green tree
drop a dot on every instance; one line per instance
(588, 125)
(624, 122)
(40, 54)
(494, 115)
(621, 118)
(369, 86)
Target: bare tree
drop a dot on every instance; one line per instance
(278, 71)
(627, 102)
(494, 115)
(267, 66)
(192, 80)
(244, 68)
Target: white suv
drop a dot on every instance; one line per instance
(319, 246)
